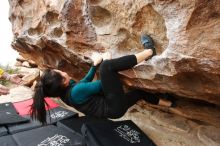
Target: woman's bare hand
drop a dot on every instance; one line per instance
(97, 59)
(106, 56)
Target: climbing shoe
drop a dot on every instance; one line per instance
(148, 43)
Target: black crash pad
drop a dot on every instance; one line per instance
(9, 115)
(8, 107)
(3, 131)
(48, 136)
(56, 114)
(75, 124)
(53, 116)
(109, 133)
(32, 124)
(7, 118)
(7, 141)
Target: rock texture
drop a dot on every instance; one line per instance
(171, 130)
(167, 129)
(17, 94)
(63, 33)
(206, 113)
(29, 75)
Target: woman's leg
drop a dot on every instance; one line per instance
(142, 55)
(111, 84)
(109, 70)
(134, 95)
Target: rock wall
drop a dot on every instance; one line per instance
(63, 33)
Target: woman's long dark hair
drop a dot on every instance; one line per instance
(50, 84)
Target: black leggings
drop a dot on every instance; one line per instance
(117, 101)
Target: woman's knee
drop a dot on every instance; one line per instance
(117, 113)
(105, 65)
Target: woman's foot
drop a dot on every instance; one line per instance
(148, 43)
(107, 56)
(166, 103)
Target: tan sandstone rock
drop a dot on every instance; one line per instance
(61, 34)
(172, 130)
(204, 112)
(18, 63)
(26, 64)
(29, 75)
(17, 94)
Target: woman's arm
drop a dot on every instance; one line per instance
(82, 91)
(97, 59)
(90, 75)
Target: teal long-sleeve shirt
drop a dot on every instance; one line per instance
(83, 90)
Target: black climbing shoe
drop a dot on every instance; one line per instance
(148, 43)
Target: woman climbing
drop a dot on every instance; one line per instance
(104, 98)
